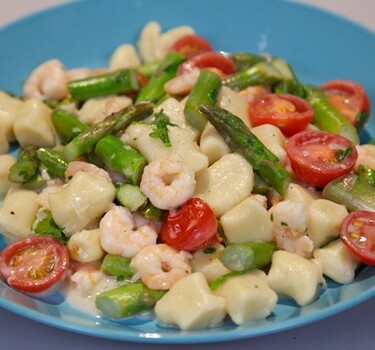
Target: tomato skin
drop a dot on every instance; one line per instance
(358, 234)
(35, 263)
(190, 227)
(191, 45)
(349, 98)
(209, 59)
(313, 156)
(291, 114)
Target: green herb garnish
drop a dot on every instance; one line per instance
(160, 128)
(341, 154)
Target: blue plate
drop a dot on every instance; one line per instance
(318, 45)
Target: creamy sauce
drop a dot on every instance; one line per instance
(81, 296)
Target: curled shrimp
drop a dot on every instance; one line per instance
(47, 81)
(252, 93)
(78, 165)
(87, 277)
(122, 234)
(160, 266)
(290, 226)
(167, 182)
(182, 84)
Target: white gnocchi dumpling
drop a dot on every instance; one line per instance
(125, 56)
(209, 264)
(84, 199)
(34, 125)
(182, 143)
(154, 45)
(174, 110)
(212, 144)
(235, 103)
(225, 183)
(324, 220)
(97, 109)
(84, 246)
(193, 304)
(18, 213)
(273, 139)
(336, 261)
(297, 193)
(9, 107)
(294, 276)
(248, 297)
(247, 221)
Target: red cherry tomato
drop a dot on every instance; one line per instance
(349, 98)
(289, 113)
(317, 157)
(358, 234)
(191, 45)
(208, 60)
(34, 264)
(190, 227)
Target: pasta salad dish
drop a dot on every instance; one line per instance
(190, 183)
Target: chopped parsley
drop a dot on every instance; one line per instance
(341, 154)
(160, 128)
(209, 250)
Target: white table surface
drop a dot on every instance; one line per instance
(350, 330)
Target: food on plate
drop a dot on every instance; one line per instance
(184, 181)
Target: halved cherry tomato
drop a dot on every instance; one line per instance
(358, 234)
(34, 264)
(317, 157)
(189, 227)
(289, 113)
(350, 99)
(191, 45)
(208, 60)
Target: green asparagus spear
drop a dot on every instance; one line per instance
(130, 196)
(260, 185)
(220, 280)
(117, 266)
(289, 84)
(367, 174)
(205, 91)
(67, 125)
(85, 142)
(36, 184)
(127, 300)
(240, 139)
(152, 212)
(327, 117)
(154, 91)
(243, 60)
(121, 158)
(26, 167)
(148, 69)
(262, 73)
(247, 255)
(123, 81)
(352, 191)
(53, 161)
